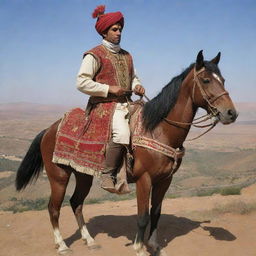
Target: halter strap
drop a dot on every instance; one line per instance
(214, 110)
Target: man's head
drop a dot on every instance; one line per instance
(109, 25)
(113, 34)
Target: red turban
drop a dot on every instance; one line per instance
(105, 21)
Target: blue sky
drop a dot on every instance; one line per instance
(42, 41)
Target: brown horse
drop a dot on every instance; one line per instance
(167, 118)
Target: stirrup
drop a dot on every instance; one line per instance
(122, 188)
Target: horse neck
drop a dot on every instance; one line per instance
(183, 111)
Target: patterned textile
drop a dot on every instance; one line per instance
(116, 69)
(81, 141)
(142, 139)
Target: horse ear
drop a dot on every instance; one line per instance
(216, 59)
(199, 60)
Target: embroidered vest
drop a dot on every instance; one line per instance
(116, 69)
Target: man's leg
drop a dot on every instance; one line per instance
(114, 157)
(115, 150)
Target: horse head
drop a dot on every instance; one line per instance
(209, 91)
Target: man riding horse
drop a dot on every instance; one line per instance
(107, 74)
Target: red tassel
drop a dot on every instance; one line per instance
(99, 10)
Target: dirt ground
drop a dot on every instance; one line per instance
(188, 227)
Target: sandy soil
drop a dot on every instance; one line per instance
(184, 229)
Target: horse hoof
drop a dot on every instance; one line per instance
(160, 253)
(140, 252)
(65, 251)
(94, 246)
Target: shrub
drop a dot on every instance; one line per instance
(230, 191)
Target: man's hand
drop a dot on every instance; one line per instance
(139, 90)
(116, 90)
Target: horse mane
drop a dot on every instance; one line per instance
(159, 107)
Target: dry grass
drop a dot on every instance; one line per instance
(236, 207)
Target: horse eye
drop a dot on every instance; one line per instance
(206, 80)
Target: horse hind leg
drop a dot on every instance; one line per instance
(83, 185)
(58, 178)
(158, 192)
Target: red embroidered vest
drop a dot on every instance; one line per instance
(116, 69)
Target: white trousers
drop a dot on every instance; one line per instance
(120, 124)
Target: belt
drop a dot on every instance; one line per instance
(118, 99)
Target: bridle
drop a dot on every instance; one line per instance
(210, 100)
(214, 112)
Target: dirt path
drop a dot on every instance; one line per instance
(188, 226)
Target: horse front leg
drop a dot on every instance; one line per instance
(143, 188)
(83, 185)
(158, 192)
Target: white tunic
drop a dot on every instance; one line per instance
(86, 84)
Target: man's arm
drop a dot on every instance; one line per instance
(86, 84)
(136, 85)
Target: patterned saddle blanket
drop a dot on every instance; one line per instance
(81, 140)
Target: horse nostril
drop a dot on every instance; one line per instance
(232, 113)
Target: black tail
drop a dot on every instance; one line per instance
(31, 164)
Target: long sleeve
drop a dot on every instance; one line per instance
(135, 80)
(85, 82)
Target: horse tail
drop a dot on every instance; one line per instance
(31, 165)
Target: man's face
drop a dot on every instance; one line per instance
(113, 35)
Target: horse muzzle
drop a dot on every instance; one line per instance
(227, 116)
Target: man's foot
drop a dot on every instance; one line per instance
(107, 183)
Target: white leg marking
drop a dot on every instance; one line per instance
(62, 247)
(86, 236)
(138, 247)
(163, 253)
(89, 240)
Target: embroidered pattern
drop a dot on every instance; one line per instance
(139, 139)
(81, 141)
(116, 69)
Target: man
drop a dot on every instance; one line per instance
(107, 74)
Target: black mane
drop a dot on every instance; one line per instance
(159, 107)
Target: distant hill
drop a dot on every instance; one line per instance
(26, 109)
(247, 110)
